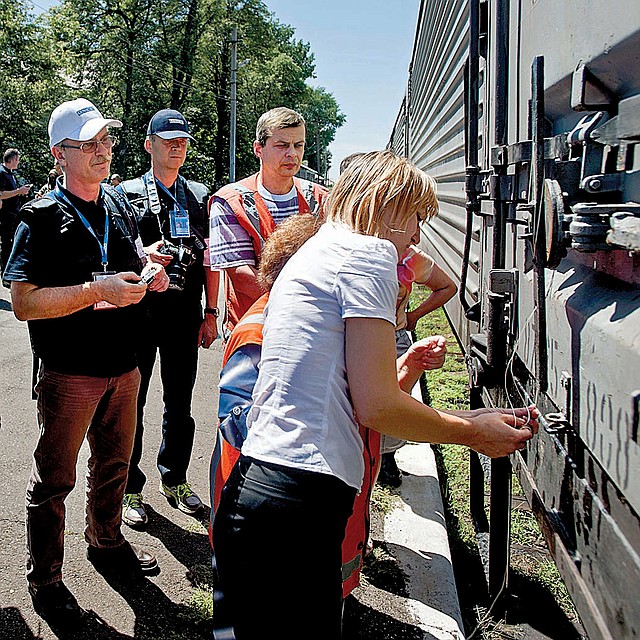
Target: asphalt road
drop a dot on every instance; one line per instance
(152, 608)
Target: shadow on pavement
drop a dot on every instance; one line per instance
(361, 622)
(156, 616)
(13, 625)
(187, 547)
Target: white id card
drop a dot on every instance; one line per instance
(101, 275)
(179, 220)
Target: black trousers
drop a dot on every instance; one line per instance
(8, 224)
(175, 338)
(277, 538)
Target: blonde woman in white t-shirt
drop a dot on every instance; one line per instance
(328, 363)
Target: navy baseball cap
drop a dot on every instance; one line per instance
(169, 124)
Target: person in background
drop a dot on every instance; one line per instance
(12, 197)
(415, 267)
(50, 184)
(115, 179)
(328, 364)
(245, 213)
(76, 274)
(174, 225)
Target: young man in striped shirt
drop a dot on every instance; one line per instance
(244, 214)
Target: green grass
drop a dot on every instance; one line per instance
(532, 570)
(384, 499)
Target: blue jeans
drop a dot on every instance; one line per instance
(277, 537)
(177, 343)
(70, 408)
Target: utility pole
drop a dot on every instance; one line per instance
(232, 128)
(318, 148)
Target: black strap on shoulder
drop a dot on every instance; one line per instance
(121, 211)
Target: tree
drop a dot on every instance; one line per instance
(29, 88)
(133, 57)
(324, 118)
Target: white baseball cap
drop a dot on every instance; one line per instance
(77, 120)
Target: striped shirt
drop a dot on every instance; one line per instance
(229, 244)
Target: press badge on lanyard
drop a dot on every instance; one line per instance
(179, 220)
(101, 275)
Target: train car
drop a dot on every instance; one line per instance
(307, 173)
(527, 113)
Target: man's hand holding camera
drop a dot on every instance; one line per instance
(127, 287)
(157, 255)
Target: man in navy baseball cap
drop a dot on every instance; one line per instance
(172, 212)
(169, 124)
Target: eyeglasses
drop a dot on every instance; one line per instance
(91, 146)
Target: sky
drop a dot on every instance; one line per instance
(362, 51)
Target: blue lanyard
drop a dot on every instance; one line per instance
(105, 242)
(180, 208)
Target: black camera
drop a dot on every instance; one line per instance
(183, 258)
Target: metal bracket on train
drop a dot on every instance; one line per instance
(555, 422)
(603, 183)
(588, 92)
(625, 127)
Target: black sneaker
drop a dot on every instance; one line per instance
(390, 475)
(182, 497)
(126, 559)
(56, 604)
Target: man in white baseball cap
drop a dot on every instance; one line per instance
(77, 120)
(75, 275)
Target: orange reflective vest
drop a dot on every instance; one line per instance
(249, 331)
(254, 217)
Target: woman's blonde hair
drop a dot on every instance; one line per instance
(378, 181)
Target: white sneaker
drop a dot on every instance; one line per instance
(133, 511)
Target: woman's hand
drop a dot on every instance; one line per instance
(427, 354)
(500, 432)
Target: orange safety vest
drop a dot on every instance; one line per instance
(249, 331)
(254, 217)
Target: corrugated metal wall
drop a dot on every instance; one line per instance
(400, 135)
(436, 131)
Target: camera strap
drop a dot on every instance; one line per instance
(152, 193)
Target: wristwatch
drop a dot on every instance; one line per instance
(214, 311)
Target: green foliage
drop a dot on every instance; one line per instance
(133, 57)
(323, 118)
(384, 499)
(448, 387)
(29, 88)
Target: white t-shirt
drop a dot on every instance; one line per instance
(302, 415)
